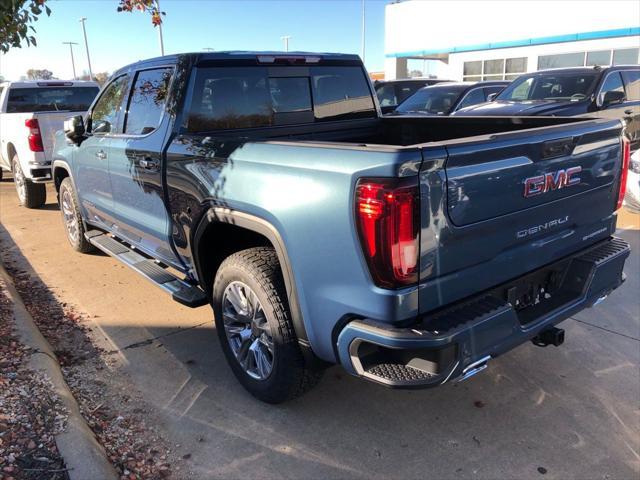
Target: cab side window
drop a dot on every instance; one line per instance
(104, 116)
(147, 101)
(613, 83)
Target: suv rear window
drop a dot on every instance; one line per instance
(50, 99)
(250, 97)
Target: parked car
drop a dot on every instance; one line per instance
(393, 92)
(30, 114)
(411, 250)
(632, 196)
(607, 92)
(446, 98)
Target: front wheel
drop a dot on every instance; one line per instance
(71, 217)
(254, 325)
(31, 195)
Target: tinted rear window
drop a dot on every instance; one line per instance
(250, 97)
(50, 99)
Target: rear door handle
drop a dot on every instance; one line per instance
(149, 164)
(101, 155)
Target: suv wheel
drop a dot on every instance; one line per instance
(71, 217)
(31, 195)
(254, 325)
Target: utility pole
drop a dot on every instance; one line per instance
(209, 49)
(86, 46)
(73, 63)
(285, 39)
(157, 2)
(363, 29)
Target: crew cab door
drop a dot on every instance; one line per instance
(135, 166)
(91, 175)
(632, 106)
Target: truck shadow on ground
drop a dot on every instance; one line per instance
(568, 411)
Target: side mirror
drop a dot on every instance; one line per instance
(492, 96)
(74, 128)
(612, 97)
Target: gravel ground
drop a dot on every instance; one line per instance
(114, 410)
(30, 413)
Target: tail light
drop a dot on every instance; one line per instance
(626, 155)
(35, 139)
(388, 225)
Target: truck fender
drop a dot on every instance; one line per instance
(262, 227)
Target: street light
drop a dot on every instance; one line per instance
(157, 2)
(363, 29)
(285, 39)
(86, 45)
(73, 63)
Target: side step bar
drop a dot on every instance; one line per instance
(180, 290)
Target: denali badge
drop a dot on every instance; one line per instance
(551, 181)
(541, 227)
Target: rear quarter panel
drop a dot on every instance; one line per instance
(306, 194)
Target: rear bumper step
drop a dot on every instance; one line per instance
(180, 290)
(459, 340)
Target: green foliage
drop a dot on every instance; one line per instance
(16, 17)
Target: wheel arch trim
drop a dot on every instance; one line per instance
(266, 229)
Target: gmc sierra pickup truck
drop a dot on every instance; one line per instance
(30, 114)
(410, 250)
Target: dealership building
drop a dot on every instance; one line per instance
(496, 40)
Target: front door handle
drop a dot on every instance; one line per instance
(628, 111)
(101, 155)
(149, 164)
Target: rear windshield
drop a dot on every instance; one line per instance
(436, 100)
(50, 99)
(249, 97)
(550, 86)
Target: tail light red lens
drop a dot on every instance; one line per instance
(35, 138)
(626, 155)
(387, 214)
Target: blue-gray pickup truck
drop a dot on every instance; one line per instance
(409, 250)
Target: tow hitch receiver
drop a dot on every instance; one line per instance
(552, 336)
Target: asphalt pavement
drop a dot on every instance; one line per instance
(567, 412)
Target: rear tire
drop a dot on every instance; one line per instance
(31, 195)
(254, 325)
(71, 218)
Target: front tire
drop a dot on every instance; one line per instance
(254, 325)
(31, 195)
(74, 227)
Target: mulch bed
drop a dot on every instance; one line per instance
(30, 413)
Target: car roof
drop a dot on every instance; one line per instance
(236, 55)
(596, 68)
(50, 83)
(485, 83)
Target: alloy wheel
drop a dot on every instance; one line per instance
(247, 330)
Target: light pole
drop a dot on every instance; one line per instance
(86, 46)
(157, 2)
(73, 63)
(285, 39)
(363, 29)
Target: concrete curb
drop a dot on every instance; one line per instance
(84, 456)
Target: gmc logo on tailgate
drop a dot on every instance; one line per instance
(551, 181)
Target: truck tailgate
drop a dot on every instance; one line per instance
(514, 202)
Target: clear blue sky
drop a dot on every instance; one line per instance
(116, 39)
